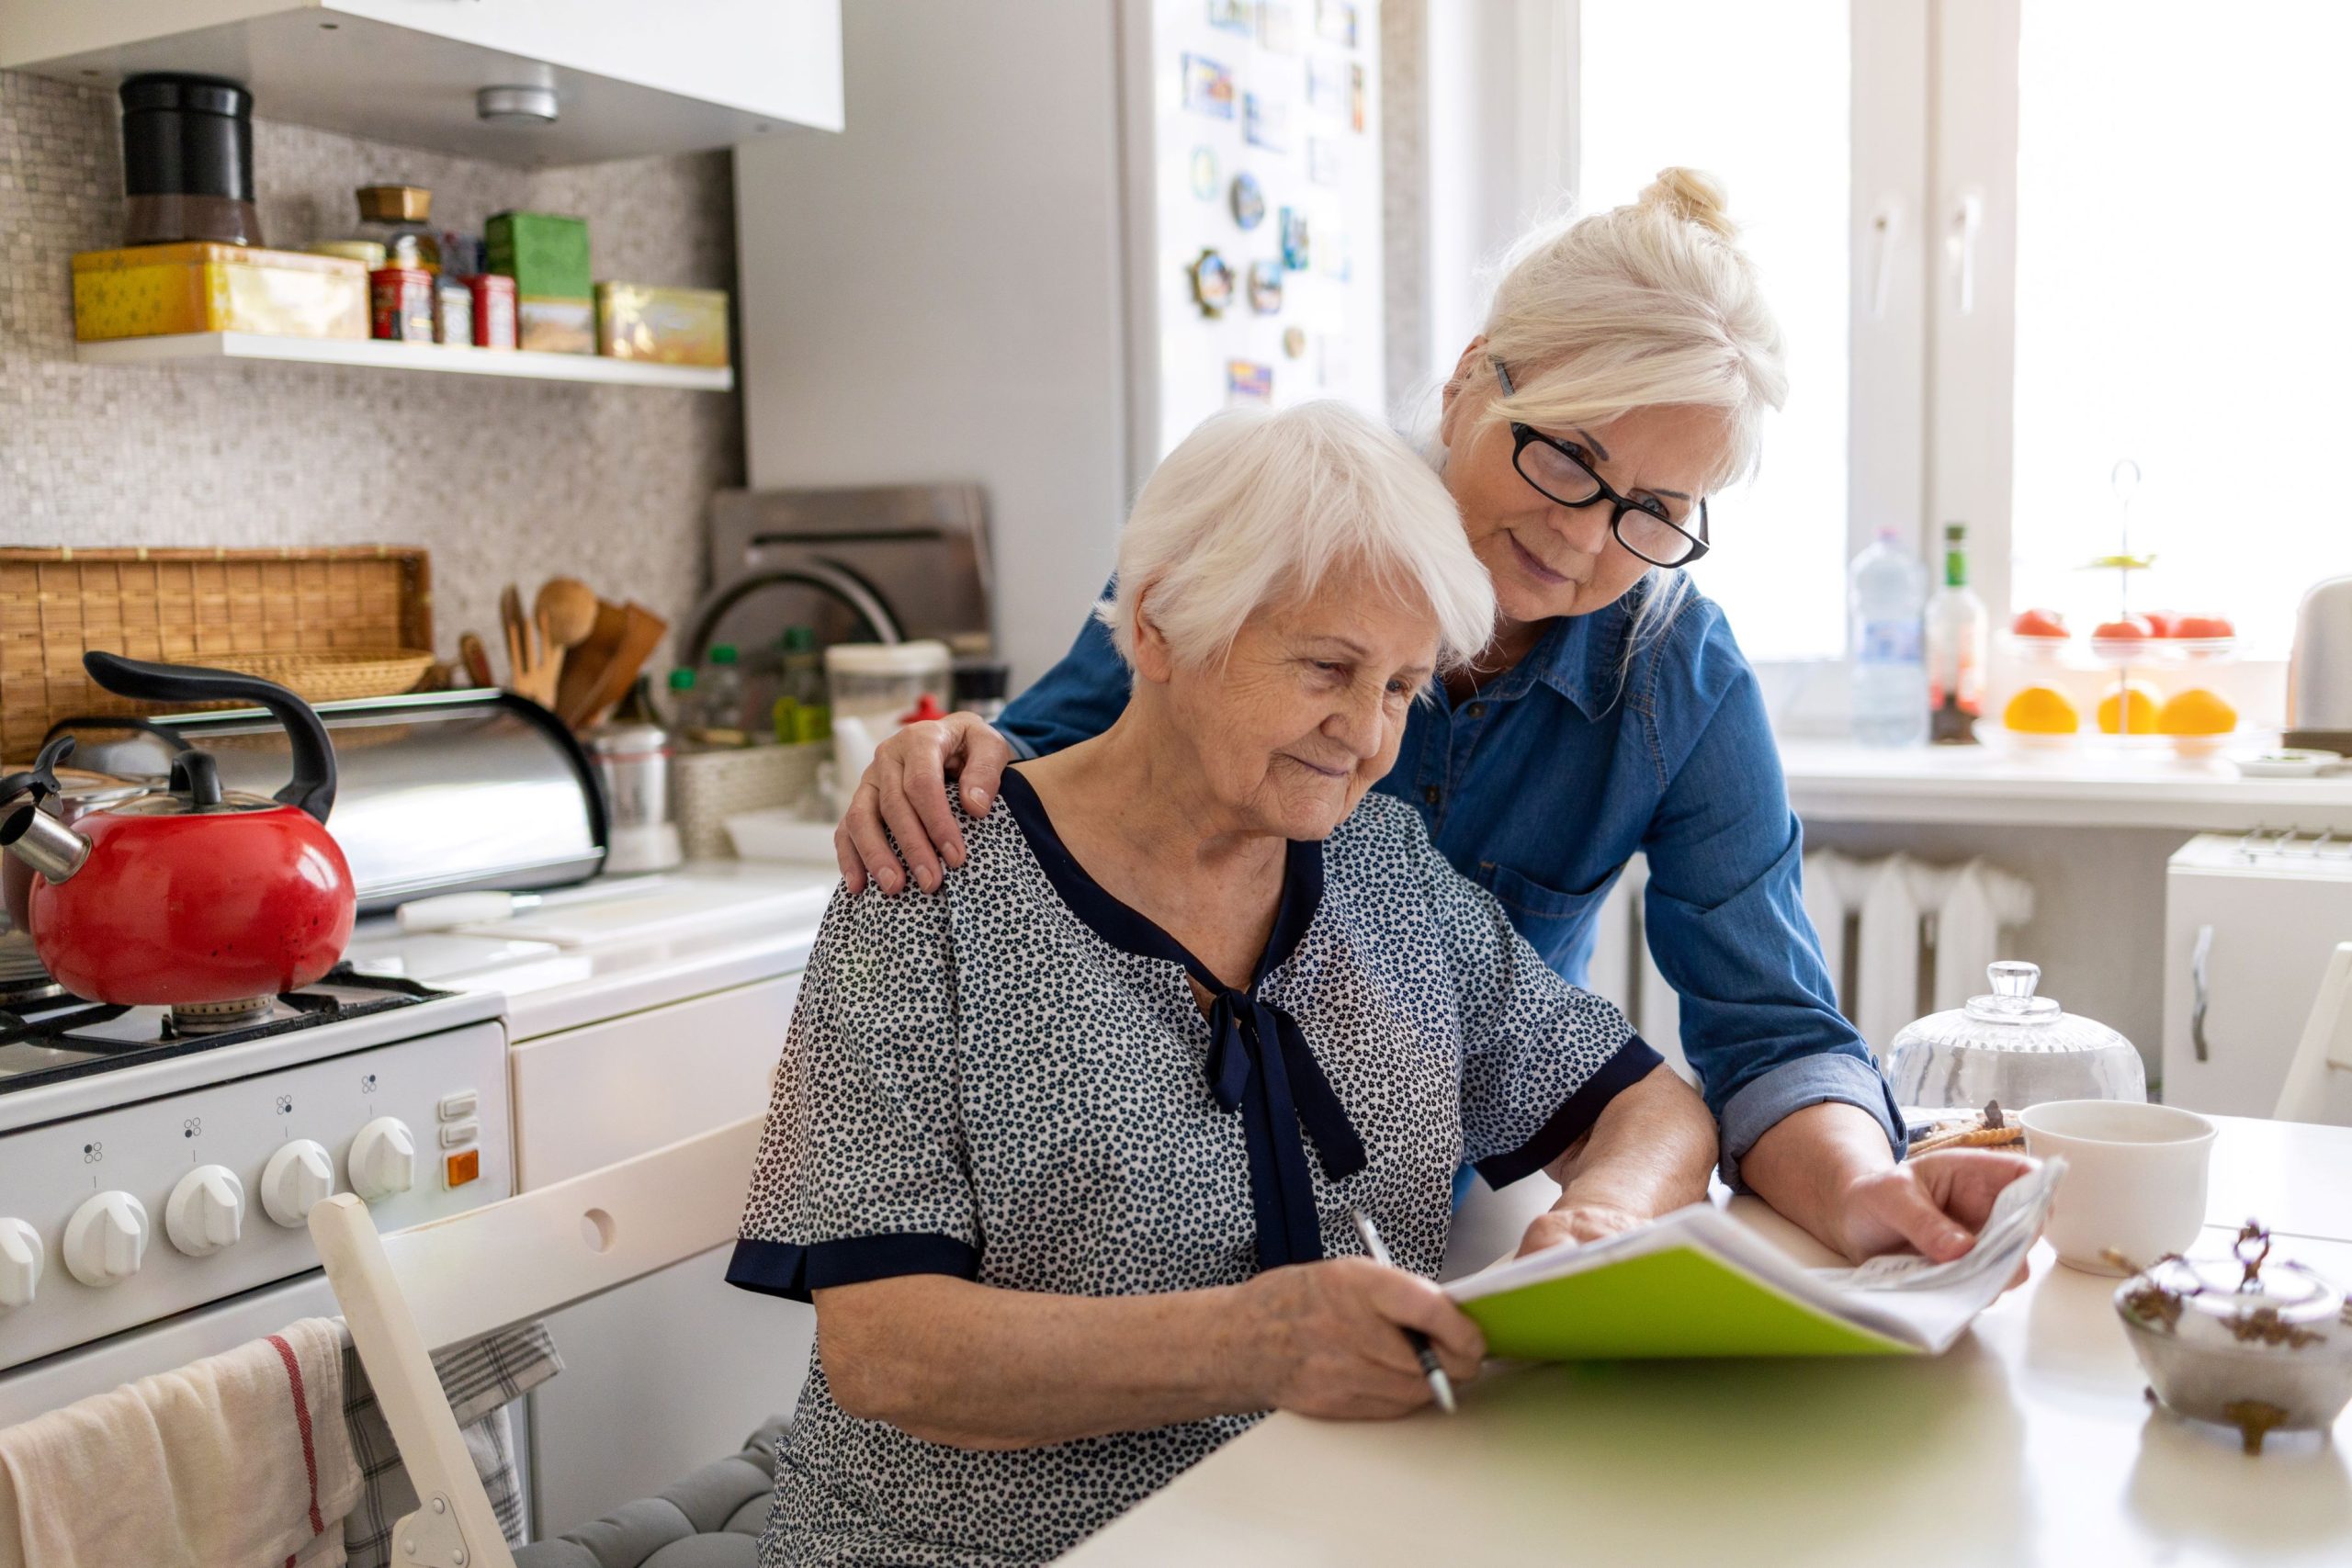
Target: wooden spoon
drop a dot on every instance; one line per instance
(476, 659)
(566, 613)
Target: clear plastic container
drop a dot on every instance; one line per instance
(874, 686)
(721, 685)
(1886, 596)
(879, 683)
(2015, 1047)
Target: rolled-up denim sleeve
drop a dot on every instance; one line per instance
(1729, 930)
(1077, 700)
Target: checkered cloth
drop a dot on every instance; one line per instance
(481, 1380)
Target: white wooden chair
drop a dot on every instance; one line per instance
(450, 1281)
(2308, 1094)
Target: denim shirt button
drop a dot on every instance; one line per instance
(1430, 794)
(1476, 710)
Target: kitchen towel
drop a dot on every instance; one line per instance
(239, 1458)
(479, 1379)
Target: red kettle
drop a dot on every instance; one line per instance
(210, 900)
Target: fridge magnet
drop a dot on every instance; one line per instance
(1295, 341)
(1212, 278)
(1335, 22)
(1265, 122)
(1326, 86)
(1204, 173)
(1247, 381)
(1337, 362)
(1356, 96)
(1208, 87)
(1277, 26)
(1296, 254)
(1231, 16)
(1265, 287)
(1248, 201)
(1322, 161)
(1335, 258)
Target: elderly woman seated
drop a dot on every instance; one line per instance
(1066, 1154)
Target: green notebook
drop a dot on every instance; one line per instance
(1699, 1284)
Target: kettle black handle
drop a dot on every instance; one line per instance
(312, 786)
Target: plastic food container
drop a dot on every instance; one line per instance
(159, 291)
(876, 686)
(2259, 1346)
(2015, 1047)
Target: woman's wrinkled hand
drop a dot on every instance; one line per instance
(1329, 1340)
(1578, 1222)
(1933, 1204)
(904, 792)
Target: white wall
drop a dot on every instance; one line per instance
(869, 355)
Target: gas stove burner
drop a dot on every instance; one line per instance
(49, 1041)
(213, 1018)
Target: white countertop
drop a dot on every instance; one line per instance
(2029, 1443)
(1837, 781)
(639, 942)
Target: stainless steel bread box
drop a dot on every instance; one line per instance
(436, 792)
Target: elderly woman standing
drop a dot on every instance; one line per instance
(1066, 1152)
(1621, 379)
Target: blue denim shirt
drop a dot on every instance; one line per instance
(1541, 787)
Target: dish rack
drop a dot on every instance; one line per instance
(332, 623)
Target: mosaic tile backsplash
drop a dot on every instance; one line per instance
(502, 480)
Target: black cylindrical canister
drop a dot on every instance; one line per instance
(187, 161)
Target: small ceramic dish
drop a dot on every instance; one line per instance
(2263, 1352)
(2292, 762)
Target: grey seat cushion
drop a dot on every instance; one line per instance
(710, 1519)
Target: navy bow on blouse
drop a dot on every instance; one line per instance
(1260, 1065)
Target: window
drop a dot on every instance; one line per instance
(2180, 302)
(1764, 106)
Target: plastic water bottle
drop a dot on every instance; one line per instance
(1887, 593)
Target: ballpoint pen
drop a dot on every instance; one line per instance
(1440, 1384)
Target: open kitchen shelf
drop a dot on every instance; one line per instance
(384, 354)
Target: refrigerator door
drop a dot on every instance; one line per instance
(2246, 941)
(1255, 139)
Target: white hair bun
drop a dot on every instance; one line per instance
(1692, 196)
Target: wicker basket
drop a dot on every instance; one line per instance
(360, 606)
(711, 787)
(332, 677)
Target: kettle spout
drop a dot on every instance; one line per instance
(44, 843)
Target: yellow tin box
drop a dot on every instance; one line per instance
(667, 326)
(157, 290)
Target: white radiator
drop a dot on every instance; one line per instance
(1886, 924)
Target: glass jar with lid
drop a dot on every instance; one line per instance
(397, 218)
(2013, 1046)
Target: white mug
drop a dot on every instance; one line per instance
(2134, 1181)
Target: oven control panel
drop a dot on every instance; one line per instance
(135, 1213)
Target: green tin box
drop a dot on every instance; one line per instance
(547, 255)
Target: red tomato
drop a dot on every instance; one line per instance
(2202, 627)
(2039, 623)
(2131, 628)
(2160, 622)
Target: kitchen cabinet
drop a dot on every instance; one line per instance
(630, 80)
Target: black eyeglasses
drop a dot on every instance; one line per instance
(1563, 473)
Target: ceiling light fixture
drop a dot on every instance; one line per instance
(516, 106)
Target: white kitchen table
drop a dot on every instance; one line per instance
(2030, 1442)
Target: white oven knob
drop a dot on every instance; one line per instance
(21, 1256)
(106, 1239)
(298, 1178)
(384, 1159)
(206, 1211)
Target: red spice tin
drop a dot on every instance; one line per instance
(403, 303)
(493, 310)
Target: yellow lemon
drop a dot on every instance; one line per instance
(2197, 712)
(2129, 709)
(2041, 710)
